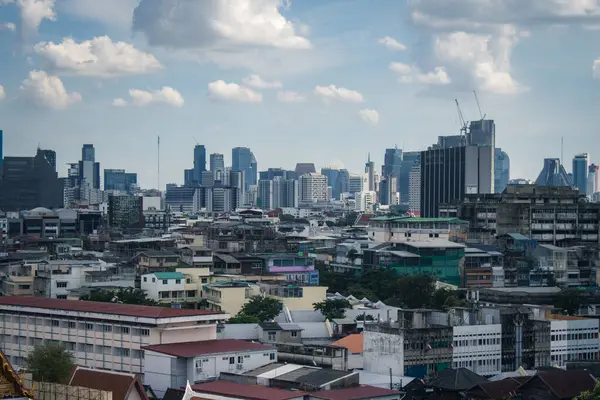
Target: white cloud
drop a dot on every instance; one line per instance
(47, 91)
(117, 13)
(33, 12)
(369, 116)
(221, 90)
(8, 26)
(332, 92)
(256, 82)
(2, 93)
(143, 98)
(288, 96)
(216, 24)
(120, 102)
(409, 74)
(596, 68)
(391, 43)
(100, 57)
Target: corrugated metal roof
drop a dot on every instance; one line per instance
(191, 349)
(169, 275)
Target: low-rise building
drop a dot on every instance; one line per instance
(294, 297)
(170, 287)
(173, 365)
(197, 256)
(100, 335)
(229, 296)
(149, 261)
(55, 278)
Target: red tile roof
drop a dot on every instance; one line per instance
(249, 392)
(355, 393)
(354, 343)
(191, 349)
(102, 308)
(119, 384)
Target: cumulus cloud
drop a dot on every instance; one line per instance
(33, 12)
(221, 24)
(8, 26)
(221, 90)
(409, 74)
(257, 82)
(47, 91)
(332, 92)
(2, 93)
(369, 116)
(287, 96)
(99, 57)
(143, 98)
(391, 43)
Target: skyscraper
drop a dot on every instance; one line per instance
(553, 174)
(265, 194)
(370, 174)
(199, 162)
(1, 154)
(482, 133)
(392, 162)
(89, 169)
(217, 162)
(501, 170)
(409, 158)
(580, 171)
(118, 179)
(448, 174)
(188, 177)
(242, 159)
(312, 188)
(592, 181)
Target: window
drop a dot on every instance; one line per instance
(204, 280)
(272, 356)
(177, 281)
(61, 284)
(107, 328)
(188, 280)
(271, 336)
(231, 360)
(125, 329)
(164, 281)
(240, 359)
(61, 296)
(294, 333)
(144, 332)
(153, 280)
(145, 279)
(89, 327)
(55, 322)
(72, 325)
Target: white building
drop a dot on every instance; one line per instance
(414, 190)
(55, 278)
(168, 287)
(313, 188)
(478, 348)
(173, 365)
(573, 339)
(365, 201)
(100, 335)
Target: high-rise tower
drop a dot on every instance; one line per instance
(580, 171)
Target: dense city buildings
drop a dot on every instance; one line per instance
(243, 160)
(217, 162)
(125, 211)
(119, 180)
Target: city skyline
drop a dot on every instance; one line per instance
(270, 90)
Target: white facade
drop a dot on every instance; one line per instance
(100, 335)
(478, 348)
(163, 371)
(58, 277)
(300, 212)
(414, 190)
(383, 353)
(164, 287)
(573, 340)
(365, 201)
(313, 188)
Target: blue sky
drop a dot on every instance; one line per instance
(323, 81)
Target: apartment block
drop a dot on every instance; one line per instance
(100, 335)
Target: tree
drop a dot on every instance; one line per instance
(50, 362)
(568, 301)
(262, 308)
(286, 218)
(121, 295)
(242, 318)
(332, 308)
(413, 291)
(444, 298)
(593, 395)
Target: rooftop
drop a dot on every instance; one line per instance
(435, 243)
(250, 392)
(419, 220)
(101, 308)
(169, 275)
(192, 349)
(354, 343)
(355, 393)
(120, 384)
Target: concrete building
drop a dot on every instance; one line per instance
(573, 339)
(176, 364)
(184, 199)
(592, 180)
(365, 201)
(55, 278)
(532, 211)
(125, 212)
(170, 288)
(119, 180)
(285, 192)
(312, 188)
(414, 190)
(217, 162)
(265, 194)
(356, 183)
(478, 348)
(100, 335)
(243, 160)
(370, 175)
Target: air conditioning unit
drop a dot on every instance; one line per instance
(239, 366)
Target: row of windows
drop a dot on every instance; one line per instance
(73, 346)
(575, 336)
(477, 342)
(575, 356)
(471, 363)
(56, 323)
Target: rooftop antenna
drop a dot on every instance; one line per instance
(158, 163)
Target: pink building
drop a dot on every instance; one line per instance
(100, 335)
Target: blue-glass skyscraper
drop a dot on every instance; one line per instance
(242, 159)
(501, 170)
(580, 172)
(199, 162)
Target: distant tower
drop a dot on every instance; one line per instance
(370, 174)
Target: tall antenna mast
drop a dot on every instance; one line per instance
(158, 163)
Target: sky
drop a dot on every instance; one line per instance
(322, 81)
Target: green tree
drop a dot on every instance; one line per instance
(361, 292)
(593, 395)
(568, 301)
(413, 291)
(242, 318)
(50, 362)
(128, 295)
(445, 298)
(332, 308)
(262, 308)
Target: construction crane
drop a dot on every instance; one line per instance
(463, 123)
(479, 107)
